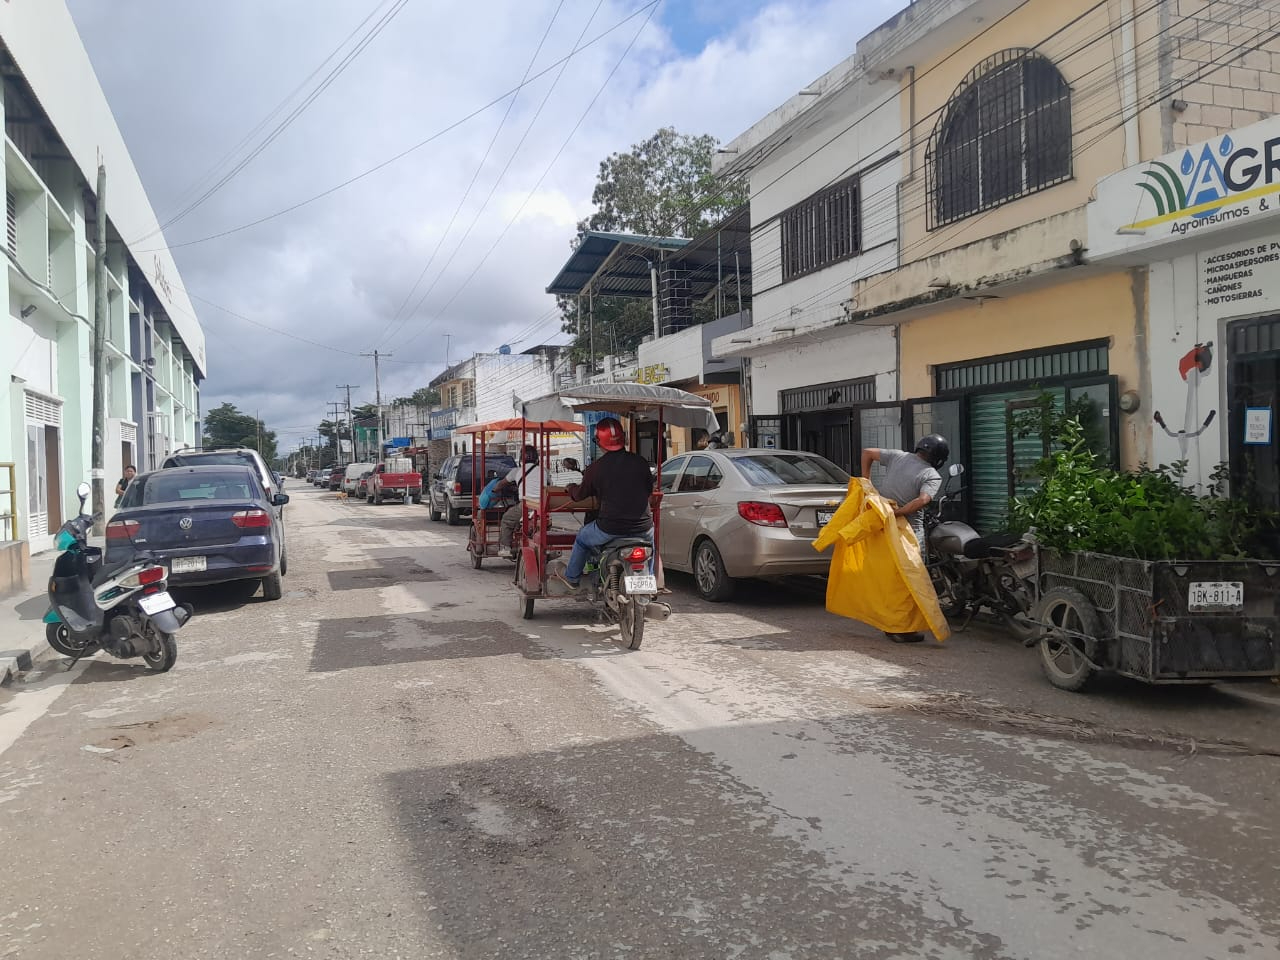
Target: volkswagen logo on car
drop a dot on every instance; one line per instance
(185, 523)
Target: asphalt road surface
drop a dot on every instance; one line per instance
(390, 763)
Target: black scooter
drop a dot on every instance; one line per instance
(125, 610)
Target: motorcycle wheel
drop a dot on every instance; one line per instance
(163, 659)
(952, 608)
(59, 637)
(631, 619)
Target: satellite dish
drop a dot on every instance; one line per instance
(504, 349)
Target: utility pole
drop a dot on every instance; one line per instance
(377, 394)
(351, 424)
(97, 463)
(337, 432)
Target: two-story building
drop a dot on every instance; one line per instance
(1008, 115)
(58, 128)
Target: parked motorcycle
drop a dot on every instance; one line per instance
(126, 610)
(972, 573)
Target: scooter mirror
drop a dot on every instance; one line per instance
(82, 492)
(956, 469)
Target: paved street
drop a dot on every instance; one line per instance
(390, 763)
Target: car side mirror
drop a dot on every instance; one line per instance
(280, 499)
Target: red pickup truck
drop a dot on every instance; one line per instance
(395, 479)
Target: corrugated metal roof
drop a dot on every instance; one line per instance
(628, 275)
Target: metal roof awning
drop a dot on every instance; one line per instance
(627, 256)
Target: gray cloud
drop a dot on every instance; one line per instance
(187, 81)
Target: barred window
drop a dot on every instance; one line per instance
(1006, 133)
(822, 230)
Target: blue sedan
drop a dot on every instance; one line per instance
(209, 524)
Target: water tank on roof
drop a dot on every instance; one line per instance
(504, 349)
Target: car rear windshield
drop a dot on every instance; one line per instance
(227, 458)
(502, 465)
(182, 487)
(770, 469)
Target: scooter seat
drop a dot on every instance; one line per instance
(984, 547)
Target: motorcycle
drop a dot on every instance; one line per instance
(125, 610)
(972, 573)
(622, 588)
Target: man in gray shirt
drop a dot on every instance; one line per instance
(911, 481)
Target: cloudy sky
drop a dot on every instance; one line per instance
(189, 82)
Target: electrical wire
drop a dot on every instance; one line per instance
(474, 177)
(650, 5)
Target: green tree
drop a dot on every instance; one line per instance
(226, 426)
(422, 397)
(663, 187)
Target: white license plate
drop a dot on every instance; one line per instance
(641, 584)
(155, 603)
(824, 517)
(1215, 595)
(188, 564)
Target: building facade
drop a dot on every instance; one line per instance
(58, 127)
(1000, 296)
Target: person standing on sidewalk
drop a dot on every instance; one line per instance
(911, 481)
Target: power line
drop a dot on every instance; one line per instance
(474, 177)
(652, 9)
(510, 160)
(650, 5)
(212, 171)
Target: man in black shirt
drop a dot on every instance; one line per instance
(623, 482)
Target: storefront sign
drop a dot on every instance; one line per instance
(654, 373)
(1239, 280)
(1230, 181)
(1257, 426)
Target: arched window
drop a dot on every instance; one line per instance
(1005, 133)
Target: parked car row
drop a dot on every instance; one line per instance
(393, 479)
(211, 516)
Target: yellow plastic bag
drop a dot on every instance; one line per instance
(876, 574)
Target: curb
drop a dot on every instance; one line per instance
(20, 660)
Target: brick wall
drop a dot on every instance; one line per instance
(1203, 36)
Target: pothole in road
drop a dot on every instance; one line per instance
(384, 640)
(495, 822)
(389, 571)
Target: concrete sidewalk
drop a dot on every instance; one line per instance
(22, 620)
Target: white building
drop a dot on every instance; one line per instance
(824, 213)
(58, 125)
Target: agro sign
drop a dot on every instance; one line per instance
(1231, 179)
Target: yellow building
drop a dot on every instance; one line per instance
(1008, 115)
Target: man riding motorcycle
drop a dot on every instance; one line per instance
(623, 483)
(911, 481)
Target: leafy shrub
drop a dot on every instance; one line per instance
(1149, 514)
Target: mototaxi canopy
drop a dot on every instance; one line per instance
(528, 426)
(637, 401)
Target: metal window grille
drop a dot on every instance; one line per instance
(823, 395)
(1068, 361)
(822, 230)
(1006, 133)
(11, 221)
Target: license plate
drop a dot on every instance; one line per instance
(824, 517)
(155, 603)
(641, 584)
(1215, 595)
(188, 564)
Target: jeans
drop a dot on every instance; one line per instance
(588, 543)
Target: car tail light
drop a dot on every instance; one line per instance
(251, 518)
(762, 514)
(144, 576)
(122, 529)
(457, 489)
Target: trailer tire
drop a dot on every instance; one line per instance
(1066, 610)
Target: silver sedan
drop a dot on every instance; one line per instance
(734, 514)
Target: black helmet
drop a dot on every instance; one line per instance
(934, 448)
(529, 454)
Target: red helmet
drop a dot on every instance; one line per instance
(609, 434)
